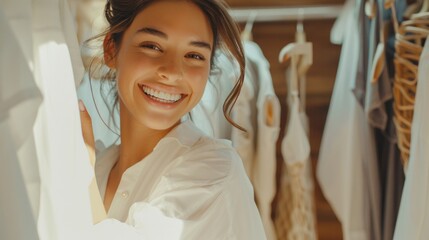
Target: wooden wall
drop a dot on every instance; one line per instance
(272, 37)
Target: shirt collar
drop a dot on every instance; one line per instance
(186, 134)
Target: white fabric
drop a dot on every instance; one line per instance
(69, 28)
(65, 171)
(339, 27)
(264, 160)
(18, 15)
(19, 100)
(413, 216)
(245, 114)
(297, 178)
(47, 136)
(190, 187)
(208, 114)
(264, 169)
(347, 141)
(298, 174)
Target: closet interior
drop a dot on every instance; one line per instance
(272, 34)
(335, 101)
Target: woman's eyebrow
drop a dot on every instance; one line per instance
(201, 44)
(158, 33)
(152, 31)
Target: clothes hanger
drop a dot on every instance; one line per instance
(246, 34)
(412, 9)
(425, 6)
(418, 10)
(370, 9)
(420, 15)
(411, 36)
(379, 60)
(300, 54)
(299, 47)
(304, 61)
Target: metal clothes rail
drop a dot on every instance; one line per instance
(292, 13)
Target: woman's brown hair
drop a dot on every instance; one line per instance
(121, 13)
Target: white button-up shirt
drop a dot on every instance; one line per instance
(190, 187)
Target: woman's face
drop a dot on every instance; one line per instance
(163, 63)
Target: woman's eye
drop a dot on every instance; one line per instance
(196, 56)
(150, 46)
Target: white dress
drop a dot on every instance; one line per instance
(266, 130)
(190, 187)
(347, 143)
(296, 209)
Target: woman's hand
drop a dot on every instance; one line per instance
(98, 211)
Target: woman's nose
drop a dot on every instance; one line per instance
(171, 70)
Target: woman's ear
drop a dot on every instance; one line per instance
(109, 52)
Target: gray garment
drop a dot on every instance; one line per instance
(391, 176)
(378, 93)
(385, 176)
(372, 96)
(359, 87)
(367, 96)
(391, 170)
(380, 105)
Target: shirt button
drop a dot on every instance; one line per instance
(124, 194)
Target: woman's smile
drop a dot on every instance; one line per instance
(161, 96)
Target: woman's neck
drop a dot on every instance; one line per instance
(137, 141)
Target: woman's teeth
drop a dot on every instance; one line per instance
(161, 96)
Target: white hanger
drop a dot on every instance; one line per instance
(300, 53)
(425, 6)
(370, 8)
(413, 8)
(299, 47)
(379, 61)
(246, 34)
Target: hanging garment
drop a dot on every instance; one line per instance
(339, 26)
(257, 110)
(347, 145)
(413, 217)
(297, 186)
(19, 100)
(208, 114)
(263, 168)
(390, 167)
(52, 145)
(65, 170)
(295, 213)
(18, 15)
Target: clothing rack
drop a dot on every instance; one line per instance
(292, 13)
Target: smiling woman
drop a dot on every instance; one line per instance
(166, 173)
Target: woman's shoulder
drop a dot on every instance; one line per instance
(206, 159)
(203, 144)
